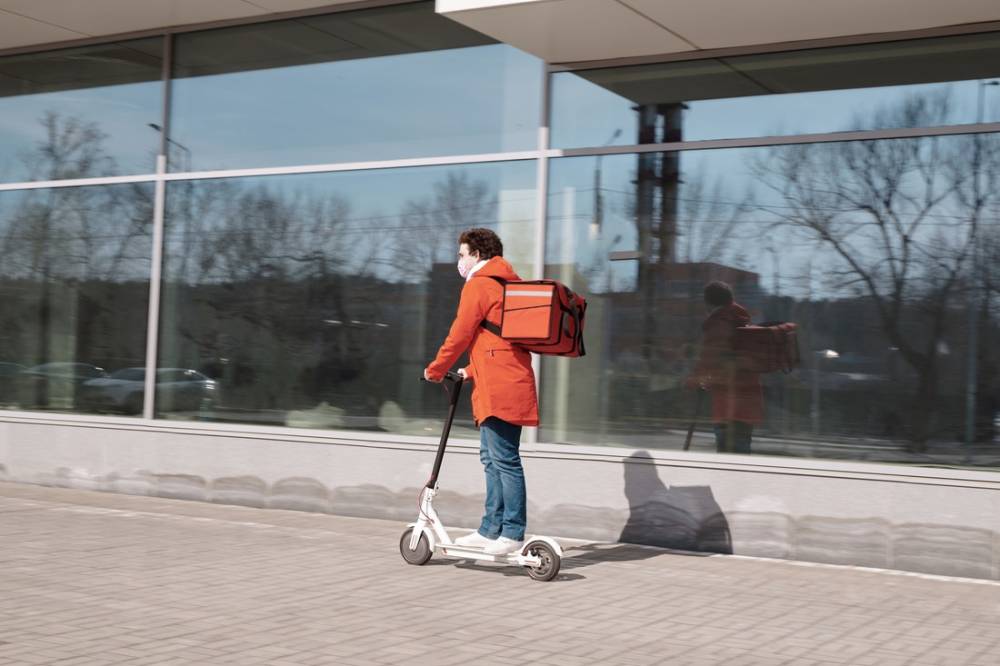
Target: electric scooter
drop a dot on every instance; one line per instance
(541, 556)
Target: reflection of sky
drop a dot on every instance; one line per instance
(472, 100)
(480, 99)
(793, 113)
(121, 112)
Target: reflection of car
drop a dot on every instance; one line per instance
(176, 389)
(9, 376)
(55, 384)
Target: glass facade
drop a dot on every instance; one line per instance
(314, 300)
(317, 300)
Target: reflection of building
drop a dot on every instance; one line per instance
(309, 272)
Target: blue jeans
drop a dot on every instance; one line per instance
(506, 499)
(733, 437)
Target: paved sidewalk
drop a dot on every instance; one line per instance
(94, 578)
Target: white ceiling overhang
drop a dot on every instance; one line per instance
(565, 31)
(25, 23)
(558, 31)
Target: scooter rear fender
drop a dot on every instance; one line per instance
(548, 540)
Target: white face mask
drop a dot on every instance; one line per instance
(465, 265)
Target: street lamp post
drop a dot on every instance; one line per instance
(598, 218)
(187, 152)
(820, 356)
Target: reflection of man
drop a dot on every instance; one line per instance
(737, 398)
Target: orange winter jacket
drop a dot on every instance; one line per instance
(503, 383)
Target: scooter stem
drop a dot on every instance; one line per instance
(453, 385)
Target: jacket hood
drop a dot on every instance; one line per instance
(734, 313)
(497, 267)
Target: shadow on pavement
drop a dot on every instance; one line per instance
(685, 518)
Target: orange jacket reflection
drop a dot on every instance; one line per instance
(736, 394)
(503, 383)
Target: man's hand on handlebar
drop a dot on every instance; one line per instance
(458, 376)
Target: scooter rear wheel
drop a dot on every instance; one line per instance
(421, 554)
(550, 561)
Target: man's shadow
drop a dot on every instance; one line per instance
(680, 520)
(685, 518)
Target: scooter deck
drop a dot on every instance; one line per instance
(477, 553)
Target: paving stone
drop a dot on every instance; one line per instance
(93, 579)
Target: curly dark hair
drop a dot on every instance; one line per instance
(483, 241)
(718, 293)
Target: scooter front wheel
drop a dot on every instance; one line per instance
(418, 556)
(550, 561)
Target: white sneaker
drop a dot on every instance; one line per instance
(474, 539)
(503, 546)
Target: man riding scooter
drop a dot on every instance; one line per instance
(503, 397)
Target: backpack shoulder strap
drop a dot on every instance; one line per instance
(485, 323)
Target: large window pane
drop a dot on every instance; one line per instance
(885, 254)
(316, 301)
(91, 111)
(915, 83)
(393, 82)
(74, 283)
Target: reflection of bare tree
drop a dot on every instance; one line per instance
(429, 227)
(229, 234)
(902, 218)
(708, 220)
(251, 273)
(77, 233)
(71, 149)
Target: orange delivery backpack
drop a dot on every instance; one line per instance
(769, 347)
(541, 316)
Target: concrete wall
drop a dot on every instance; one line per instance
(918, 519)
